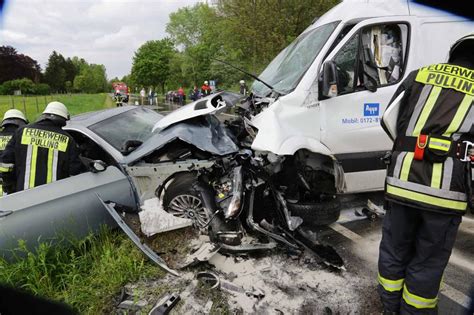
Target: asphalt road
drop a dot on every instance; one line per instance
(357, 240)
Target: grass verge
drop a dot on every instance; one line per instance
(32, 106)
(86, 274)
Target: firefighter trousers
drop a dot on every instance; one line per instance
(414, 251)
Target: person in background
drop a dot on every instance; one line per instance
(151, 96)
(194, 94)
(243, 87)
(42, 152)
(205, 89)
(12, 120)
(181, 96)
(142, 96)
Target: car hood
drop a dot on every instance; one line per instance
(206, 133)
(212, 104)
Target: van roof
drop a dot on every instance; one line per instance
(361, 9)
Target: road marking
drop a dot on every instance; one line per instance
(461, 261)
(467, 225)
(455, 295)
(345, 232)
(446, 290)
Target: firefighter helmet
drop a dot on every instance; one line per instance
(463, 47)
(58, 109)
(14, 117)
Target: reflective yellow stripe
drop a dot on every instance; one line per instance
(5, 169)
(435, 201)
(436, 176)
(406, 166)
(426, 110)
(49, 176)
(34, 155)
(418, 301)
(390, 285)
(460, 114)
(439, 144)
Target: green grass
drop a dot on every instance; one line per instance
(32, 106)
(86, 274)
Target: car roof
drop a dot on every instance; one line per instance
(91, 118)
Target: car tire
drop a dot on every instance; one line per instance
(179, 194)
(316, 214)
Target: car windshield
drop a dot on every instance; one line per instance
(289, 66)
(134, 124)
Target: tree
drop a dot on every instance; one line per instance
(196, 33)
(55, 73)
(92, 79)
(256, 31)
(151, 63)
(17, 66)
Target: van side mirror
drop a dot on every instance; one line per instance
(329, 86)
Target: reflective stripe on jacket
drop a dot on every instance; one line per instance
(437, 103)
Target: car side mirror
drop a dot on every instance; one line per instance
(329, 79)
(97, 166)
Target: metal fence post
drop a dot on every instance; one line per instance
(24, 105)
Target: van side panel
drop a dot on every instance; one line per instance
(435, 38)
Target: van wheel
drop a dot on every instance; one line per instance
(316, 214)
(181, 200)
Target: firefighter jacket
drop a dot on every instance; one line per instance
(41, 153)
(5, 136)
(435, 117)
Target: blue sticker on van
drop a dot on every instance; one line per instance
(371, 109)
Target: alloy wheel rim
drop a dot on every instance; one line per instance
(189, 207)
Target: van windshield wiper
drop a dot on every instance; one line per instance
(251, 75)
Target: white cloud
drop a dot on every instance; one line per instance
(101, 31)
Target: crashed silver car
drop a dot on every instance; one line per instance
(127, 163)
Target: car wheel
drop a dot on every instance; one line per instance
(316, 214)
(183, 201)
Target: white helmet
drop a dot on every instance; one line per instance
(58, 109)
(206, 83)
(463, 46)
(242, 82)
(12, 116)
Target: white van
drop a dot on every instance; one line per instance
(333, 83)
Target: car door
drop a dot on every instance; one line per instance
(371, 61)
(66, 207)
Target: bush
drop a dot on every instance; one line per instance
(26, 86)
(42, 89)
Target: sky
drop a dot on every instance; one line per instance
(104, 32)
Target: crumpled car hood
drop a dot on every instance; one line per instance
(206, 133)
(209, 105)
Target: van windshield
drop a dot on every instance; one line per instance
(289, 66)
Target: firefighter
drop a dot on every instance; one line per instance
(205, 89)
(428, 181)
(12, 120)
(243, 87)
(42, 152)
